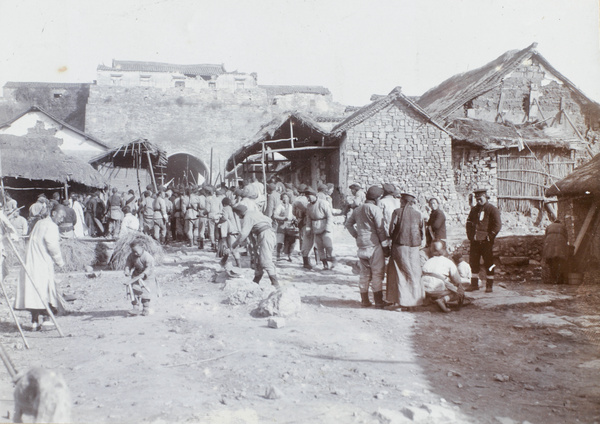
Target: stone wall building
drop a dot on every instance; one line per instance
(518, 125)
(394, 140)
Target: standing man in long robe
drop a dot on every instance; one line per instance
(43, 251)
(404, 286)
(261, 227)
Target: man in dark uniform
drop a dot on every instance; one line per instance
(483, 225)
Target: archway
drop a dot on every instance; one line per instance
(185, 169)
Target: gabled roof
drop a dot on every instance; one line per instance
(280, 90)
(584, 180)
(273, 129)
(453, 93)
(40, 158)
(204, 70)
(58, 121)
(381, 103)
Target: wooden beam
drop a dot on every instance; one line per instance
(584, 227)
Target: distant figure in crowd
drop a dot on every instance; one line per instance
(55, 201)
(441, 279)
(147, 214)
(67, 226)
(114, 206)
(464, 269)
(19, 223)
(38, 210)
(10, 204)
(436, 225)
(306, 235)
(287, 230)
(354, 200)
(319, 221)
(140, 267)
(261, 228)
(230, 229)
(367, 227)
(160, 216)
(404, 286)
(43, 251)
(483, 225)
(79, 228)
(130, 223)
(555, 253)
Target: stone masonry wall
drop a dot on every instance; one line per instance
(396, 146)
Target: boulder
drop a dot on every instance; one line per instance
(239, 291)
(284, 302)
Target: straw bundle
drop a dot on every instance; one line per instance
(122, 249)
(77, 254)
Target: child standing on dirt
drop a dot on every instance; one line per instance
(139, 266)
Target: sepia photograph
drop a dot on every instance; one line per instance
(300, 211)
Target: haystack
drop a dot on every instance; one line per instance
(122, 249)
(77, 254)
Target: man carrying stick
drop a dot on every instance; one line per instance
(43, 251)
(139, 266)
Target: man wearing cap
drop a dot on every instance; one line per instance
(257, 224)
(114, 206)
(483, 225)
(366, 226)
(306, 237)
(273, 200)
(388, 204)
(324, 193)
(354, 200)
(190, 217)
(319, 222)
(404, 269)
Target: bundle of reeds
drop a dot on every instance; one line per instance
(77, 254)
(122, 249)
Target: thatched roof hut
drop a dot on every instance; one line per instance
(40, 158)
(583, 181)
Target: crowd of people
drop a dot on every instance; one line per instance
(269, 220)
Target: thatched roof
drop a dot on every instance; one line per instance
(453, 93)
(132, 155)
(379, 104)
(305, 129)
(60, 122)
(584, 180)
(494, 136)
(40, 158)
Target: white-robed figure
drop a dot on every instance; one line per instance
(43, 251)
(79, 227)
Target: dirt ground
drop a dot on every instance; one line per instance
(203, 357)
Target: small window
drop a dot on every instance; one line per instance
(212, 85)
(239, 85)
(57, 95)
(115, 79)
(145, 80)
(179, 83)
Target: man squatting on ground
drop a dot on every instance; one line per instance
(483, 225)
(441, 279)
(367, 227)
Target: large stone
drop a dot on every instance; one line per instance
(241, 292)
(284, 302)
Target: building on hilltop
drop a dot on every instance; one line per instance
(518, 125)
(127, 73)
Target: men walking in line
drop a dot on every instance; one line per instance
(366, 226)
(483, 225)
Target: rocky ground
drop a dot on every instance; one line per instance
(527, 352)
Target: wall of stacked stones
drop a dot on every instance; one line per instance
(398, 147)
(475, 168)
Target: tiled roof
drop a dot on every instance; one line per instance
(129, 65)
(281, 90)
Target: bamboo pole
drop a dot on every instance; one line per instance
(211, 167)
(151, 171)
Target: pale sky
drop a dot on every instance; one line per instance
(353, 47)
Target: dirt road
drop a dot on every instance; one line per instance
(199, 358)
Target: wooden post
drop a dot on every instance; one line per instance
(66, 190)
(211, 166)
(151, 171)
(584, 227)
(264, 172)
(235, 172)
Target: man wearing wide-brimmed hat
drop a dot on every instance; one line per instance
(407, 232)
(483, 225)
(366, 226)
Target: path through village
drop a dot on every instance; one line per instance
(527, 352)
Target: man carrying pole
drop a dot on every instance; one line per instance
(36, 289)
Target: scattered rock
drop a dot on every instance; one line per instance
(414, 414)
(241, 292)
(439, 413)
(285, 301)
(501, 377)
(514, 260)
(273, 392)
(529, 387)
(565, 333)
(452, 373)
(276, 322)
(89, 269)
(551, 346)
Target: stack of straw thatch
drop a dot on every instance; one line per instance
(122, 249)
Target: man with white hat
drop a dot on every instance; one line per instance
(483, 225)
